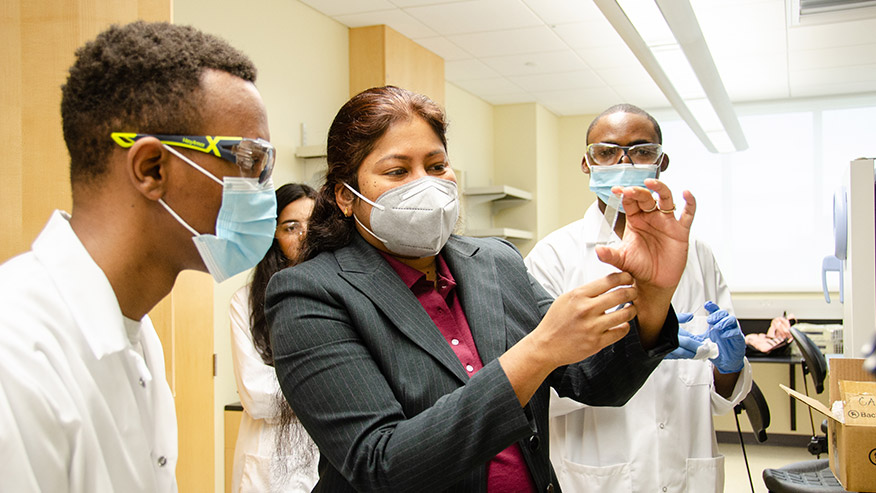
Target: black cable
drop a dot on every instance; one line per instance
(744, 455)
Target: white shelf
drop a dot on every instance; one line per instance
(313, 151)
(507, 233)
(498, 193)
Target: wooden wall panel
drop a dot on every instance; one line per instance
(37, 45)
(380, 55)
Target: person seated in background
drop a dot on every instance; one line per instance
(663, 439)
(420, 360)
(274, 452)
(778, 336)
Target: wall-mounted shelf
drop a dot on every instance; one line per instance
(507, 233)
(498, 197)
(307, 152)
(498, 194)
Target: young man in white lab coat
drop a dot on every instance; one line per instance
(84, 402)
(663, 439)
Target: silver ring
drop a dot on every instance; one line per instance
(651, 209)
(667, 211)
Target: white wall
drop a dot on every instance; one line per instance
(302, 58)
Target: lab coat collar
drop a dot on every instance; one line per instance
(83, 286)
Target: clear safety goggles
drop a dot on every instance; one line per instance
(254, 157)
(604, 154)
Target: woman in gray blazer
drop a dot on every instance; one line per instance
(422, 361)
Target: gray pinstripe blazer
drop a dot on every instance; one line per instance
(385, 397)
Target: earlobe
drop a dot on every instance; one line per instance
(146, 164)
(584, 167)
(344, 199)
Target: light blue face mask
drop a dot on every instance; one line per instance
(245, 225)
(602, 178)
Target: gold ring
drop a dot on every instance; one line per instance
(667, 211)
(651, 209)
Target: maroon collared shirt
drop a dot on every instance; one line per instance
(507, 471)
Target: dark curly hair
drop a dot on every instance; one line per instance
(141, 77)
(627, 108)
(357, 127)
(274, 261)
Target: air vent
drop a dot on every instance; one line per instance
(804, 12)
(811, 7)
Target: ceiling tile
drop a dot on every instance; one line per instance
(510, 98)
(594, 33)
(578, 101)
(396, 19)
(764, 21)
(536, 63)
(812, 37)
(517, 41)
(458, 70)
(557, 82)
(563, 11)
(443, 47)
(493, 85)
(475, 16)
(644, 94)
(332, 8)
(418, 3)
(843, 56)
(608, 56)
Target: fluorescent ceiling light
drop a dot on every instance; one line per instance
(666, 38)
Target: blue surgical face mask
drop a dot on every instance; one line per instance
(602, 178)
(245, 225)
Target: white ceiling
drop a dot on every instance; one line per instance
(564, 55)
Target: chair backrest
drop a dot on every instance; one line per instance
(813, 359)
(755, 406)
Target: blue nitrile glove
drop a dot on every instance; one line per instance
(687, 343)
(725, 332)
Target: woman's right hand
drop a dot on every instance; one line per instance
(577, 325)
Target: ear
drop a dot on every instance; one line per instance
(147, 165)
(665, 163)
(584, 167)
(344, 199)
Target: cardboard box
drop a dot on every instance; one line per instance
(852, 443)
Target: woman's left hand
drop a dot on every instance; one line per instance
(655, 242)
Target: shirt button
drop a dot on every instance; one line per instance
(665, 489)
(455, 342)
(162, 461)
(469, 368)
(661, 427)
(142, 383)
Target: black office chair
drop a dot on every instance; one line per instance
(811, 476)
(755, 406)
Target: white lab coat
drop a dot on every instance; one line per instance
(663, 439)
(255, 456)
(84, 403)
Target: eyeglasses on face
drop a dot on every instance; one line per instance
(254, 157)
(604, 154)
(292, 228)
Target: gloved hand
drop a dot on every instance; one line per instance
(687, 342)
(725, 332)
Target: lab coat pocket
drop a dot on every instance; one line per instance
(256, 474)
(693, 373)
(705, 475)
(605, 479)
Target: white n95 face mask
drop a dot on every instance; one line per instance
(414, 219)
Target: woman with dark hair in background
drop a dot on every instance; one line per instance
(423, 361)
(273, 451)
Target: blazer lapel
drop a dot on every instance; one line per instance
(368, 272)
(479, 291)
